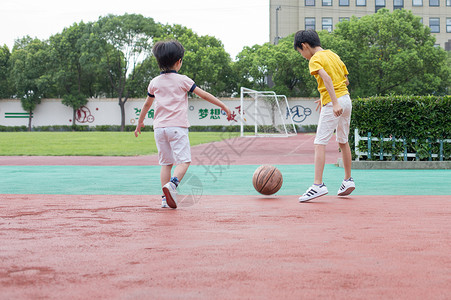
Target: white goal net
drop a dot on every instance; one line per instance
(268, 113)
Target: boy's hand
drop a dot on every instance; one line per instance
(338, 110)
(138, 128)
(228, 112)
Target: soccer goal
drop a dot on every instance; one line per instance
(267, 112)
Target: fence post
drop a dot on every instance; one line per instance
(394, 148)
(405, 150)
(441, 150)
(369, 145)
(416, 149)
(381, 154)
(356, 144)
(430, 149)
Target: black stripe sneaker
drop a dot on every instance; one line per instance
(346, 188)
(313, 192)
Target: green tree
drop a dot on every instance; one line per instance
(254, 66)
(127, 41)
(30, 61)
(385, 53)
(390, 53)
(139, 81)
(5, 89)
(448, 64)
(290, 71)
(258, 66)
(205, 60)
(67, 51)
(75, 101)
(74, 71)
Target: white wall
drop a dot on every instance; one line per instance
(107, 112)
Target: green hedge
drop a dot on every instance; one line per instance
(424, 119)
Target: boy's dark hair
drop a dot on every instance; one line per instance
(168, 53)
(306, 36)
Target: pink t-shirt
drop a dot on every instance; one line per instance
(170, 90)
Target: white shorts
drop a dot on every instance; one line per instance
(173, 145)
(328, 122)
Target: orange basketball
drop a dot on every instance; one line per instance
(267, 180)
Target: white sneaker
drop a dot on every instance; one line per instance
(164, 204)
(346, 188)
(169, 190)
(313, 192)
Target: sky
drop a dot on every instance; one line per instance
(237, 23)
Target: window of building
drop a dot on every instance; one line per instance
(448, 24)
(309, 2)
(448, 2)
(327, 24)
(448, 45)
(343, 2)
(417, 2)
(380, 4)
(398, 4)
(310, 23)
(341, 19)
(434, 2)
(361, 2)
(434, 24)
(327, 2)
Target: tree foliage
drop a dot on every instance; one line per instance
(127, 40)
(390, 53)
(385, 53)
(30, 61)
(205, 60)
(290, 71)
(5, 87)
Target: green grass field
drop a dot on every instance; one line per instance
(89, 143)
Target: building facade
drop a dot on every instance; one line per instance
(288, 16)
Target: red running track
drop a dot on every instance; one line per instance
(225, 247)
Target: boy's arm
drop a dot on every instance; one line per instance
(212, 99)
(347, 80)
(142, 115)
(338, 110)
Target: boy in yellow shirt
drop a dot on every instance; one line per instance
(335, 106)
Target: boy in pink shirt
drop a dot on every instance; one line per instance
(169, 92)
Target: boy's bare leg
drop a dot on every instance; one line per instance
(180, 170)
(320, 161)
(347, 159)
(165, 174)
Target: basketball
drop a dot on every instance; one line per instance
(267, 180)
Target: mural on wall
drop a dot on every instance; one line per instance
(150, 115)
(17, 115)
(83, 115)
(299, 113)
(106, 112)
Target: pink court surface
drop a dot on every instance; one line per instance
(223, 247)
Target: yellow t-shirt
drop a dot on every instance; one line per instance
(335, 68)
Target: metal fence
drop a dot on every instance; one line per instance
(372, 155)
